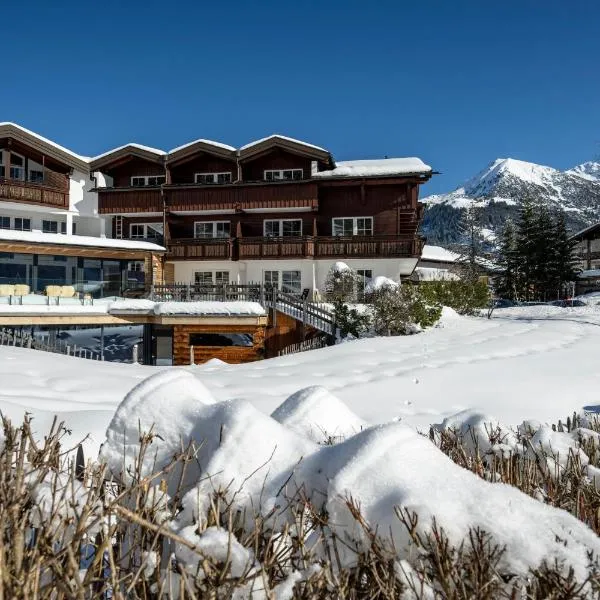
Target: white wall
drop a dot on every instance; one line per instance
(252, 270)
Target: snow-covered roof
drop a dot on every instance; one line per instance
(202, 308)
(156, 151)
(9, 128)
(437, 253)
(34, 237)
(276, 136)
(377, 168)
(589, 274)
(203, 141)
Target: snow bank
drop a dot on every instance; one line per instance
(168, 404)
(380, 282)
(209, 308)
(378, 167)
(317, 414)
(36, 237)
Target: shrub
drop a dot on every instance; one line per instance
(463, 296)
(349, 321)
(403, 310)
(341, 284)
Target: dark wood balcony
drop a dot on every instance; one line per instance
(248, 196)
(294, 247)
(44, 193)
(376, 246)
(117, 201)
(200, 249)
(275, 247)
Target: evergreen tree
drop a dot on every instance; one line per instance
(471, 247)
(563, 267)
(526, 242)
(507, 285)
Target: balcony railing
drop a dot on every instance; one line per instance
(295, 247)
(35, 193)
(201, 248)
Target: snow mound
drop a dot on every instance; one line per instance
(391, 466)
(380, 282)
(167, 404)
(209, 308)
(340, 267)
(479, 432)
(317, 414)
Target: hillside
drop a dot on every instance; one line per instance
(502, 186)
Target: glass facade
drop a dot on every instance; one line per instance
(97, 276)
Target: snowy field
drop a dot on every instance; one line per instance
(525, 363)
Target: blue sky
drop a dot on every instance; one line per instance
(457, 83)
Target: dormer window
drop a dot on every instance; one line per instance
(17, 167)
(283, 174)
(212, 178)
(147, 180)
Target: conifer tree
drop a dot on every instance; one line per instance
(508, 284)
(471, 247)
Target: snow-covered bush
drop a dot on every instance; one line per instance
(465, 297)
(402, 310)
(351, 321)
(342, 283)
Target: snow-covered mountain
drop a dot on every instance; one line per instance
(501, 188)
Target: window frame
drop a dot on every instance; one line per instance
(55, 223)
(281, 172)
(214, 230)
(280, 227)
(22, 228)
(279, 283)
(3, 221)
(20, 167)
(146, 227)
(146, 179)
(354, 226)
(215, 177)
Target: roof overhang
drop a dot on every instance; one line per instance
(201, 146)
(43, 146)
(296, 147)
(122, 154)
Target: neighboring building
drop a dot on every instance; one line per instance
(50, 229)
(436, 263)
(278, 211)
(587, 249)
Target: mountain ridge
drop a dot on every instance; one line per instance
(501, 187)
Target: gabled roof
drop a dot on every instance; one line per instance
(590, 230)
(282, 141)
(44, 146)
(131, 149)
(201, 145)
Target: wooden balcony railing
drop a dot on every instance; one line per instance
(294, 247)
(134, 200)
(200, 249)
(275, 247)
(34, 193)
(380, 246)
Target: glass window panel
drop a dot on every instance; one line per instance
(203, 230)
(224, 177)
(272, 228)
(342, 226)
(221, 339)
(364, 226)
(271, 278)
(222, 277)
(291, 282)
(137, 231)
(22, 224)
(16, 160)
(17, 173)
(297, 173)
(49, 226)
(222, 229)
(36, 176)
(4, 222)
(269, 175)
(203, 277)
(291, 228)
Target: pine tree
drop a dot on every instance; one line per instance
(526, 242)
(471, 247)
(507, 285)
(563, 264)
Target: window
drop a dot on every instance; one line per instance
(211, 229)
(364, 276)
(136, 266)
(49, 226)
(36, 176)
(283, 228)
(143, 231)
(221, 339)
(17, 166)
(222, 277)
(63, 227)
(4, 222)
(224, 177)
(288, 281)
(352, 226)
(2, 170)
(22, 224)
(203, 277)
(283, 174)
(147, 180)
